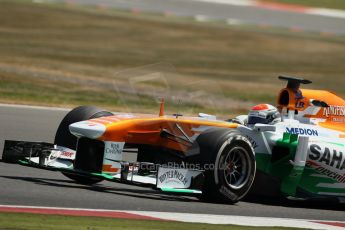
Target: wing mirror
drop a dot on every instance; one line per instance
(319, 103)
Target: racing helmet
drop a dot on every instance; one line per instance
(263, 114)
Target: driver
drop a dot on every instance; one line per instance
(264, 114)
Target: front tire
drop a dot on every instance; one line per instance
(63, 136)
(229, 163)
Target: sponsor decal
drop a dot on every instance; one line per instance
(63, 153)
(67, 154)
(114, 148)
(327, 161)
(113, 151)
(331, 157)
(302, 131)
(174, 175)
(226, 192)
(338, 119)
(334, 175)
(299, 104)
(334, 110)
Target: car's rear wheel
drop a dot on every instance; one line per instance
(64, 138)
(229, 163)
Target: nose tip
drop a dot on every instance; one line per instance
(88, 129)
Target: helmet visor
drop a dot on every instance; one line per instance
(269, 119)
(255, 120)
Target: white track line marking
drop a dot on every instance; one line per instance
(283, 7)
(327, 12)
(34, 107)
(55, 109)
(230, 2)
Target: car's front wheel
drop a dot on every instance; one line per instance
(229, 163)
(64, 138)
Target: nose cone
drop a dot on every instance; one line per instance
(88, 129)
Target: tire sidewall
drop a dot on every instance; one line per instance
(64, 138)
(229, 193)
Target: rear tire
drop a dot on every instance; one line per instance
(229, 163)
(64, 138)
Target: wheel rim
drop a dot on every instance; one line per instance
(236, 167)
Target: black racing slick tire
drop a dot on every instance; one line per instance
(228, 159)
(64, 138)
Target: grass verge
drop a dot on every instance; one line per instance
(50, 222)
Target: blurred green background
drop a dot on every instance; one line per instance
(66, 55)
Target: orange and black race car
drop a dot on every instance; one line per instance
(295, 150)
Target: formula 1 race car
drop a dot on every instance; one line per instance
(296, 150)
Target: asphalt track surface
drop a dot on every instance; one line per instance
(242, 14)
(21, 185)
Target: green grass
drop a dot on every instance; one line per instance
(49, 222)
(334, 4)
(60, 55)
